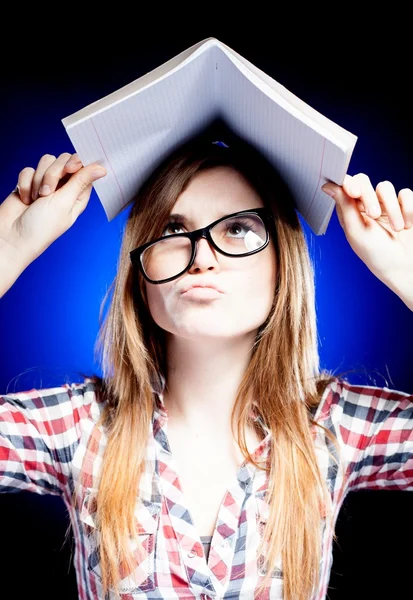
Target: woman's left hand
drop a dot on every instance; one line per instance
(378, 223)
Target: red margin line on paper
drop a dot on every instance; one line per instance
(319, 178)
(108, 161)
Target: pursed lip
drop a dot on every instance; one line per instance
(201, 285)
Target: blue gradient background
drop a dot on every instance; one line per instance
(49, 318)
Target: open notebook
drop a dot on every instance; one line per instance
(131, 130)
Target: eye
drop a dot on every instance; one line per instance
(237, 229)
(173, 228)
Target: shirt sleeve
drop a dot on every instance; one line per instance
(374, 426)
(39, 433)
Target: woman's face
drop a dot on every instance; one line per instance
(242, 289)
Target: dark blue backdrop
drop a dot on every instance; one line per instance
(49, 318)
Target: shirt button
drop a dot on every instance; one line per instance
(191, 554)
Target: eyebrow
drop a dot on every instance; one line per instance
(184, 219)
(177, 217)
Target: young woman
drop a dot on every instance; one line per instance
(213, 456)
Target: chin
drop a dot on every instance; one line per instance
(209, 330)
(196, 325)
(202, 332)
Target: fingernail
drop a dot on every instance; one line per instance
(98, 172)
(330, 191)
(44, 190)
(73, 160)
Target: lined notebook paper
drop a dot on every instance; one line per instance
(131, 130)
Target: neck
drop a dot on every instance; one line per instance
(203, 378)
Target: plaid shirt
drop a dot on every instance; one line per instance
(46, 434)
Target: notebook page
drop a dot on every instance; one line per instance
(156, 116)
(306, 158)
(295, 105)
(165, 70)
(131, 130)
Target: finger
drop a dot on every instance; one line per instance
(359, 186)
(73, 164)
(348, 213)
(387, 196)
(24, 182)
(48, 174)
(45, 161)
(82, 201)
(406, 204)
(76, 191)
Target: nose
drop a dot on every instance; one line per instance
(205, 258)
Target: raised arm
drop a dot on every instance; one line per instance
(378, 223)
(45, 204)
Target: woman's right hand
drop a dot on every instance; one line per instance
(45, 204)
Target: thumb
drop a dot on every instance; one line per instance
(78, 188)
(349, 216)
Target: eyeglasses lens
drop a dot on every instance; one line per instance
(236, 235)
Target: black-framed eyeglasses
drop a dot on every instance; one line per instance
(239, 234)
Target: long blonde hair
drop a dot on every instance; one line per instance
(283, 373)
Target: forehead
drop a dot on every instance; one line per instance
(217, 191)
